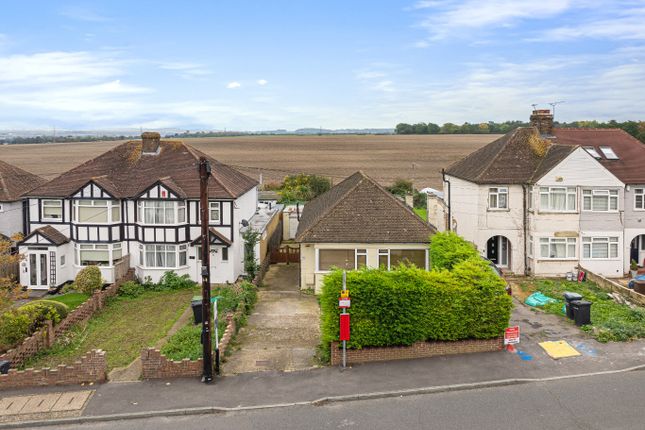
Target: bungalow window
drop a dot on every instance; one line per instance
(558, 199)
(96, 211)
(600, 200)
(361, 258)
(639, 198)
(162, 212)
(336, 258)
(498, 198)
(384, 258)
(600, 247)
(388, 258)
(557, 247)
(52, 209)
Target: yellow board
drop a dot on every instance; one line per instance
(559, 349)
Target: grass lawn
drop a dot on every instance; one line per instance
(186, 343)
(610, 321)
(422, 212)
(122, 329)
(72, 300)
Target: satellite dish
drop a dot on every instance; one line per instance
(245, 223)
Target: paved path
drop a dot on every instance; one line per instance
(283, 331)
(43, 406)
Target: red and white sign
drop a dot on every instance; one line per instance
(344, 327)
(344, 303)
(512, 335)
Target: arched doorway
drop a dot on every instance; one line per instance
(498, 250)
(637, 249)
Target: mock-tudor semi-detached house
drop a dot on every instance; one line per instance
(358, 223)
(138, 201)
(14, 183)
(542, 201)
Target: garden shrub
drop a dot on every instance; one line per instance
(20, 323)
(170, 281)
(408, 305)
(131, 289)
(88, 280)
(448, 248)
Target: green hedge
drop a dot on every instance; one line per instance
(448, 249)
(407, 305)
(20, 323)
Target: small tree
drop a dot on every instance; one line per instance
(88, 280)
(251, 266)
(10, 289)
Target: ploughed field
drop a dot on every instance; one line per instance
(384, 157)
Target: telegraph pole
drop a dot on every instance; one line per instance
(204, 174)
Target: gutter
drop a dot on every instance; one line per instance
(443, 176)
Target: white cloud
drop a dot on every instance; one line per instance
(82, 13)
(386, 86)
(233, 85)
(623, 24)
(262, 82)
(187, 70)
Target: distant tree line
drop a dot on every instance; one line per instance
(58, 139)
(635, 128)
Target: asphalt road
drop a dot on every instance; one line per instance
(597, 402)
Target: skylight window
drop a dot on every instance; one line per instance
(609, 153)
(592, 151)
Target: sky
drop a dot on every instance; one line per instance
(263, 65)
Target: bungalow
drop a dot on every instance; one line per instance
(137, 202)
(14, 183)
(358, 223)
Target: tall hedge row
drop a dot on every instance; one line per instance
(448, 249)
(408, 304)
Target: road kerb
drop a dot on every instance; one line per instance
(212, 410)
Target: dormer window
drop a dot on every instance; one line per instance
(592, 151)
(609, 153)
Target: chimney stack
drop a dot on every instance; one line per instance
(542, 119)
(150, 142)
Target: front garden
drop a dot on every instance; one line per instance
(610, 320)
(460, 298)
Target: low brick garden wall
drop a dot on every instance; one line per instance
(416, 350)
(91, 368)
(615, 287)
(46, 336)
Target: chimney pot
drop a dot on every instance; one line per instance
(542, 119)
(151, 141)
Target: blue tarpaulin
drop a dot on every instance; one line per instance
(538, 299)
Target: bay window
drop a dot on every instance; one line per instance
(600, 200)
(96, 211)
(558, 199)
(558, 247)
(162, 212)
(52, 210)
(97, 254)
(498, 198)
(639, 198)
(600, 247)
(163, 256)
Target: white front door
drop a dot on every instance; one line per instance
(38, 269)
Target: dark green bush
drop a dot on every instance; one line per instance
(407, 305)
(20, 323)
(88, 280)
(448, 248)
(169, 281)
(131, 289)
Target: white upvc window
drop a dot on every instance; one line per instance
(214, 212)
(336, 258)
(163, 256)
(52, 210)
(600, 247)
(97, 254)
(639, 199)
(161, 212)
(558, 199)
(96, 211)
(498, 198)
(558, 248)
(388, 258)
(361, 258)
(600, 200)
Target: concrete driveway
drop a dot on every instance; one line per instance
(283, 332)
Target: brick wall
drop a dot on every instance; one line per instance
(92, 367)
(615, 287)
(46, 336)
(417, 350)
(155, 365)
